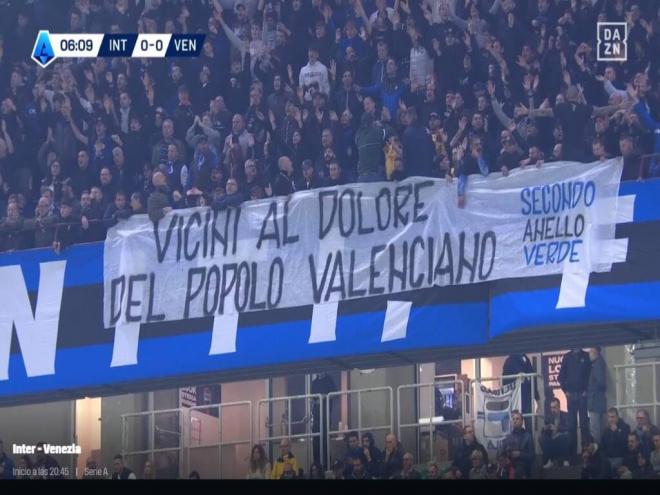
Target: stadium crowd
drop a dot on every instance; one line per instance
(291, 95)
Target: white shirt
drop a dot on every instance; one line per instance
(317, 73)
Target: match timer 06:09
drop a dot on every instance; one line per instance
(50, 46)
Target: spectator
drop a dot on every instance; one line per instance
(337, 470)
(159, 204)
(645, 430)
(418, 148)
(468, 165)
(518, 446)
(43, 224)
(516, 364)
(353, 451)
(259, 468)
(654, 458)
(467, 67)
(69, 227)
(314, 75)
(432, 471)
(107, 183)
(316, 472)
(479, 469)
(159, 150)
(643, 470)
(284, 184)
(309, 179)
(123, 174)
(25, 466)
(232, 198)
(596, 390)
(372, 455)
(615, 438)
(179, 176)
(408, 471)
(463, 455)
(594, 463)
(574, 379)
(11, 229)
(392, 457)
(46, 464)
(6, 464)
(369, 140)
(119, 210)
(554, 437)
(635, 448)
(92, 207)
(148, 471)
(335, 175)
(358, 468)
(252, 177)
(288, 472)
(286, 464)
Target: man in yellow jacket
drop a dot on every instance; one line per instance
(286, 457)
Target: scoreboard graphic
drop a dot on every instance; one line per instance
(51, 46)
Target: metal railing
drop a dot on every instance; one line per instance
(428, 420)
(432, 418)
(152, 429)
(625, 403)
(221, 443)
(287, 422)
(362, 426)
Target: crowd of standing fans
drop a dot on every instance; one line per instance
(293, 95)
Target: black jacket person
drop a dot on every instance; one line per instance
(574, 380)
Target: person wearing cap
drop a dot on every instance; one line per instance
(69, 226)
(309, 178)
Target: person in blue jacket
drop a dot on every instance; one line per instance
(390, 90)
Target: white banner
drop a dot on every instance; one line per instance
(494, 409)
(360, 240)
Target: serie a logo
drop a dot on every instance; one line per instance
(612, 42)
